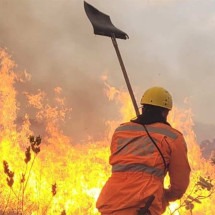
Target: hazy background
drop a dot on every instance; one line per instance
(171, 44)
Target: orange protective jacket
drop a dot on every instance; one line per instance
(138, 168)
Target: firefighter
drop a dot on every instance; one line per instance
(142, 152)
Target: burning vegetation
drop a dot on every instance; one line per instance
(53, 175)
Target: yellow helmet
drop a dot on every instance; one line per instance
(157, 96)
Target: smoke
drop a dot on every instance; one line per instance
(171, 44)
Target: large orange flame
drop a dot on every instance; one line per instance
(66, 178)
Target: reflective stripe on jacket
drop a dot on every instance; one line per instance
(138, 169)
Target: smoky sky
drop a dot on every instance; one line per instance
(171, 44)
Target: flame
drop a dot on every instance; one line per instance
(66, 177)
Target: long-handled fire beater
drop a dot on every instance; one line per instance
(102, 25)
